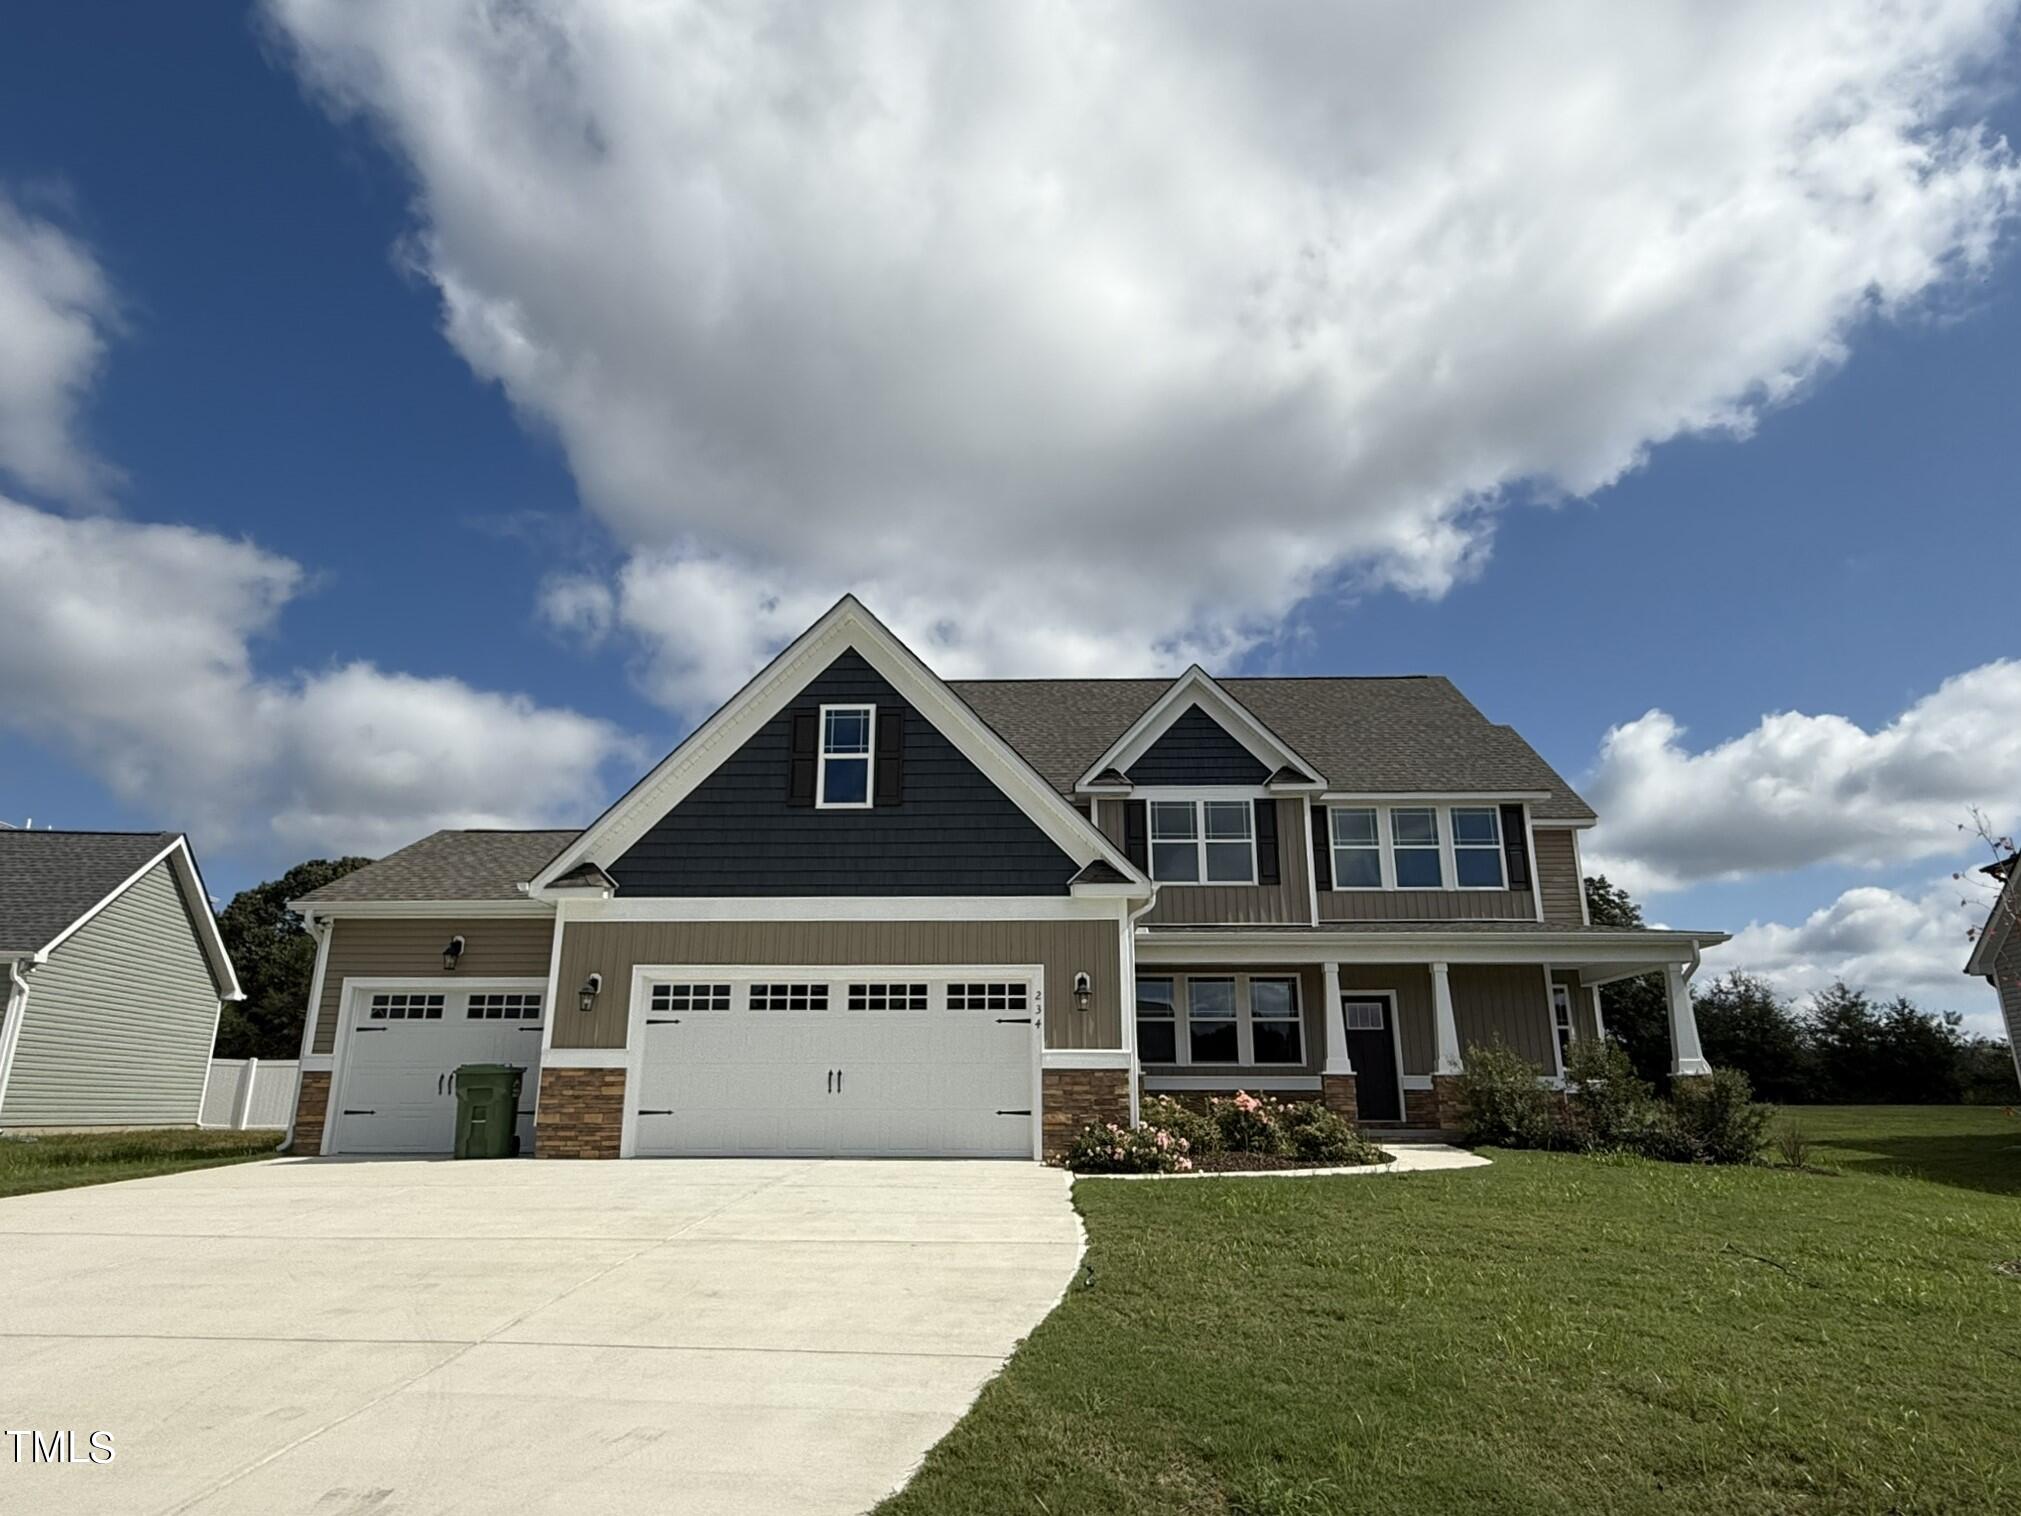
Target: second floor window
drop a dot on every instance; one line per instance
(1414, 850)
(1357, 849)
(1477, 848)
(844, 782)
(1203, 842)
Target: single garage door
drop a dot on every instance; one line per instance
(836, 1062)
(404, 1044)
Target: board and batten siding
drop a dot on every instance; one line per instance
(1427, 905)
(1288, 902)
(494, 947)
(1583, 1029)
(120, 1020)
(1557, 865)
(1506, 1005)
(1064, 948)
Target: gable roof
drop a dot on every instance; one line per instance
(52, 882)
(1986, 948)
(449, 865)
(846, 626)
(1195, 689)
(1399, 734)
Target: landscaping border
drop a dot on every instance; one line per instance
(1448, 1159)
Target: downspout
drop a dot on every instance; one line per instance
(1128, 995)
(10, 1024)
(319, 928)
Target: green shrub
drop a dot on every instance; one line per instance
(1201, 1134)
(1717, 1118)
(1319, 1135)
(1106, 1148)
(1249, 1123)
(1607, 1107)
(1502, 1104)
(1792, 1142)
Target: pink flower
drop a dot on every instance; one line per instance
(1244, 1101)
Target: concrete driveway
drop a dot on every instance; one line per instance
(336, 1336)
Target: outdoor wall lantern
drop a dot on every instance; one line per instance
(1084, 991)
(585, 997)
(451, 953)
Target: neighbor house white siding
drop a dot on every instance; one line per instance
(119, 1022)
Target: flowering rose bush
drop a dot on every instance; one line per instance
(1201, 1134)
(1106, 1148)
(1249, 1123)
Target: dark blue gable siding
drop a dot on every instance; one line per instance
(1196, 749)
(953, 833)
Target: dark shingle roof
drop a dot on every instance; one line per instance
(49, 879)
(450, 866)
(1401, 734)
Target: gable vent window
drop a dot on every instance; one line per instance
(1203, 841)
(691, 997)
(406, 1008)
(987, 997)
(887, 997)
(503, 1008)
(1414, 838)
(789, 997)
(847, 733)
(1477, 847)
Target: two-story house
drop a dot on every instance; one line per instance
(865, 910)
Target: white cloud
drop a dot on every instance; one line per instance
(1098, 336)
(1801, 789)
(1878, 940)
(56, 308)
(130, 645)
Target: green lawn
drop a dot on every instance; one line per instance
(61, 1162)
(1554, 1333)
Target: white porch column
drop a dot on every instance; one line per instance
(1686, 1057)
(1337, 1061)
(1446, 1030)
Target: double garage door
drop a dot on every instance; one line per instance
(795, 1061)
(404, 1045)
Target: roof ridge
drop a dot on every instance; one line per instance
(89, 831)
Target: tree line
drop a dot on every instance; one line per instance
(1844, 1046)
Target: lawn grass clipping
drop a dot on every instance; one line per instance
(1553, 1333)
(62, 1161)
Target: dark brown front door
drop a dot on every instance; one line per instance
(1371, 1047)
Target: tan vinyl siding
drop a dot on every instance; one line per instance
(1427, 905)
(2007, 969)
(1287, 902)
(1311, 1016)
(1504, 1004)
(120, 1020)
(1411, 983)
(1064, 949)
(1557, 865)
(494, 947)
(1583, 1028)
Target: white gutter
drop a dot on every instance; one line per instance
(10, 1026)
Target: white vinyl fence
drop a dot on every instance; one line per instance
(244, 1092)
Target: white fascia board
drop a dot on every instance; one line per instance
(1554, 824)
(675, 908)
(333, 910)
(1197, 687)
(1568, 949)
(848, 626)
(1442, 797)
(190, 882)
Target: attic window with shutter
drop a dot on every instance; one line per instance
(847, 733)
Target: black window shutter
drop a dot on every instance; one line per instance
(800, 774)
(1136, 833)
(890, 754)
(1516, 847)
(1266, 842)
(1322, 850)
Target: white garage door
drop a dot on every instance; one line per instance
(836, 1062)
(403, 1046)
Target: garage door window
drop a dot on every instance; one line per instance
(406, 1008)
(789, 997)
(504, 1008)
(691, 997)
(987, 997)
(887, 997)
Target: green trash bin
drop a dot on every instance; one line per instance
(487, 1110)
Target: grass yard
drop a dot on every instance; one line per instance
(1554, 1333)
(62, 1162)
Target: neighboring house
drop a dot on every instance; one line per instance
(115, 974)
(866, 910)
(1996, 955)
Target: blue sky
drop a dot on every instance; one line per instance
(279, 231)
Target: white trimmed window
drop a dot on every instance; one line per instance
(1416, 859)
(1213, 1032)
(1275, 1033)
(1357, 848)
(1203, 841)
(844, 779)
(1157, 1022)
(1561, 1019)
(1477, 848)
(503, 1008)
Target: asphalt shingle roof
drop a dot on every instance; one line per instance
(48, 879)
(451, 866)
(1414, 732)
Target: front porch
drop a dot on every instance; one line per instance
(1381, 1038)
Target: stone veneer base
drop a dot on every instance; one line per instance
(312, 1111)
(581, 1114)
(1076, 1097)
